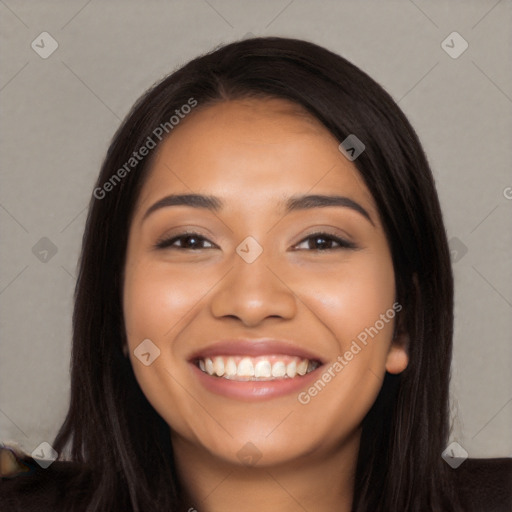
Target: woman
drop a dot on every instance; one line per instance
(264, 308)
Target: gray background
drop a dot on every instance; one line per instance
(59, 114)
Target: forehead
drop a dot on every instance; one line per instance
(250, 152)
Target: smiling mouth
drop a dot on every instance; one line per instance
(261, 368)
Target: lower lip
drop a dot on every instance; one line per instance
(254, 390)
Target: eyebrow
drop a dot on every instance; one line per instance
(293, 203)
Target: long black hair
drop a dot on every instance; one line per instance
(110, 424)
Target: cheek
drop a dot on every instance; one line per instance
(357, 306)
(350, 300)
(157, 301)
(156, 306)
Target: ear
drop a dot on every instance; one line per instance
(397, 359)
(398, 354)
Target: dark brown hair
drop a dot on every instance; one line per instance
(110, 424)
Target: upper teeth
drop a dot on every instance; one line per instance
(256, 368)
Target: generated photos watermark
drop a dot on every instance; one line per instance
(304, 397)
(137, 156)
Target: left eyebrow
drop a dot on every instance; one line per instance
(293, 203)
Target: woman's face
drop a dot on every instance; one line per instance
(264, 289)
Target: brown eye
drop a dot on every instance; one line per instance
(323, 242)
(188, 241)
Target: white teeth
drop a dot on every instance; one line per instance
(278, 369)
(263, 369)
(302, 367)
(230, 368)
(257, 368)
(245, 368)
(291, 369)
(218, 366)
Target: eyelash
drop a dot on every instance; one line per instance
(166, 243)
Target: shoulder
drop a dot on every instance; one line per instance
(485, 484)
(27, 486)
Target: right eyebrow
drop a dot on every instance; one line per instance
(211, 203)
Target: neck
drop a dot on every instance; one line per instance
(322, 482)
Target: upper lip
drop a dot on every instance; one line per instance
(254, 348)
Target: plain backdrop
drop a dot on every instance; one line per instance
(60, 112)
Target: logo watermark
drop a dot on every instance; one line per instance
(304, 397)
(137, 156)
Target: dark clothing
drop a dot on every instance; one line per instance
(484, 485)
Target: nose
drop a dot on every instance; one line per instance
(253, 292)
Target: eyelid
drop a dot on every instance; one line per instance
(167, 241)
(164, 242)
(344, 242)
